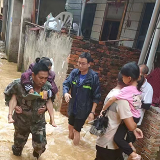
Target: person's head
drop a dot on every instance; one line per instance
(40, 74)
(46, 61)
(84, 61)
(143, 70)
(130, 73)
(120, 82)
(37, 59)
(143, 74)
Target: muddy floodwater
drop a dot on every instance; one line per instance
(59, 147)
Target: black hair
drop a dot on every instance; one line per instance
(46, 61)
(131, 69)
(145, 69)
(37, 59)
(87, 56)
(120, 79)
(140, 82)
(39, 67)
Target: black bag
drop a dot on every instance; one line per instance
(99, 125)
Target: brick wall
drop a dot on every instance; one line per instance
(148, 147)
(108, 60)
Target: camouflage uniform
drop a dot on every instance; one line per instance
(29, 121)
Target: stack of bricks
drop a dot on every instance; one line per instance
(148, 147)
(108, 60)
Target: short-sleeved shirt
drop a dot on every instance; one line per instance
(133, 96)
(118, 111)
(112, 93)
(147, 95)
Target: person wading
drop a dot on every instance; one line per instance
(85, 95)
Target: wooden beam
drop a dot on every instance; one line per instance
(122, 20)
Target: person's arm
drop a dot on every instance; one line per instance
(49, 105)
(66, 87)
(138, 133)
(67, 84)
(51, 79)
(109, 102)
(96, 97)
(130, 124)
(147, 100)
(146, 106)
(26, 82)
(25, 77)
(96, 90)
(91, 115)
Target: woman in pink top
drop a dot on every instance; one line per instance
(130, 73)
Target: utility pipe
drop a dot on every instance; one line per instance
(82, 15)
(150, 43)
(149, 32)
(154, 47)
(39, 4)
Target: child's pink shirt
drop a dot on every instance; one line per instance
(133, 96)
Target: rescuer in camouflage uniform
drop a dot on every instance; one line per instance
(30, 121)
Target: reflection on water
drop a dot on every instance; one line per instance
(59, 147)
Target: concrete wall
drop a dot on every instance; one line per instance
(57, 47)
(13, 29)
(50, 6)
(26, 16)
(135, 12)
(98, 20)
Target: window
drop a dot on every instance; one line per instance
(88, 18)
(145, 23)
(112, 21)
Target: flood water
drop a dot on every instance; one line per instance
(59, 147)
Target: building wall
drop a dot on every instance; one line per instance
(13, 29)
(74, 6)
(14, 19)
(135, 12)
(98, 20)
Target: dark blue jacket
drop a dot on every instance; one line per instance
(87, 93)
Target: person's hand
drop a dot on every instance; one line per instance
(138, 133)
(100, 115)
(67, 97)
(42, 110)
(90, 117)
(31, 90)
(18, 109)
(45, 95)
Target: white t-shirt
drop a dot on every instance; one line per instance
(118, 111)
(147, 95)
(112, 93)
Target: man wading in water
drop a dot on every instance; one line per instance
(29, 120)
(85, 95)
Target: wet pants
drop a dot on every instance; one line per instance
(38, 132)
(108, 154)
